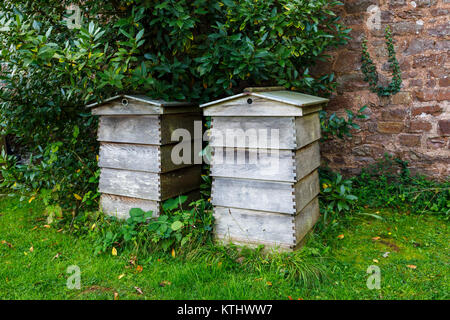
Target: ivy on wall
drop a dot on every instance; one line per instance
(370, 71)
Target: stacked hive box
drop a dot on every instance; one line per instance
(270, 196)
(137, 170)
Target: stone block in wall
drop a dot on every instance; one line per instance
(425, 3)
(403, 98)
(390, 127)
(444, 126)
(444, 82)
(409, 140)
(396, 114)
(418, 45)
(433, 95)
(432, 110)
(420, 126)
(358, 6)
(441, 30)
(433, 60)
(406, 28)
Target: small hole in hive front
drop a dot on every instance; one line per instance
(125, 102)
(249, 101)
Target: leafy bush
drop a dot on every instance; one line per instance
(335, 126)
(175, 228)
(197, 50)
(389, 183)
(336, 196)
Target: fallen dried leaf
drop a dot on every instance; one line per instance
(7, 243)
(411, 266)
(375, 260)
(139, 290)
(173, 253)
(121, 276)
(165, 283)
(269, 283)
(116, 296)
(114, 251)
(47, 226)
(240, 260)
(31, 249)
(375, 238)
(56, 256)
(386, 254)
(290, 298)
(341, 236)
(139, 268)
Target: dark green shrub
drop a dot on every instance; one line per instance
(196, 50)
(177, 228)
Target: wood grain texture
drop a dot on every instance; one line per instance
(119, 206)
(257, 164)
(307, 160)
(147, 185)
(138, 157)
(175, 183)
(274, 230)
(168, 159)
(254, 226)
(135, 184)
(306, 190)
(130, 129)
(140, 108)
(171, 122)
(253, 194)
(307, 129)
(306, 219)
(130, 157)
(259, 107)
(245, 132)
(133, 108)
(153, 130)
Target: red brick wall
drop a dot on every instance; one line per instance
(414, 124)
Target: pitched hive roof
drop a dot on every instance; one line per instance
(144, 99)
(284, 96)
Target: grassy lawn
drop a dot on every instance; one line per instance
(34, 259)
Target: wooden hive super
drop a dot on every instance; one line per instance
(137, 170)
(265, 192)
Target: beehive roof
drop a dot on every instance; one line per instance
(284, 96)
(144, 99)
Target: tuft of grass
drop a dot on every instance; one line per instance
(297, 266)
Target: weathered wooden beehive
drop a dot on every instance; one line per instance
(137, 169)
(265, 190)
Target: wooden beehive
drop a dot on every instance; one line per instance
(137, 170)
(256, 202)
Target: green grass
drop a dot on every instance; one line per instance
(411, 240)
